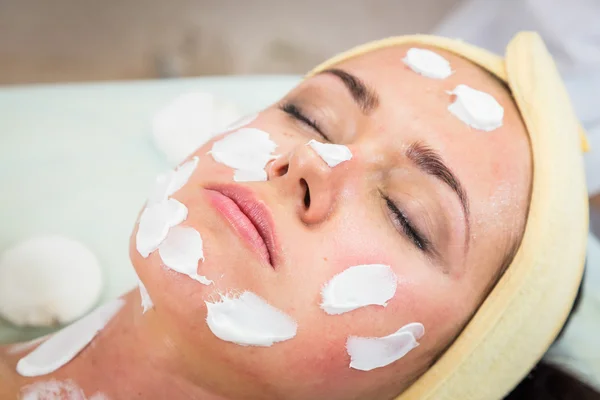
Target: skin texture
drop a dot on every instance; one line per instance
(346, 223)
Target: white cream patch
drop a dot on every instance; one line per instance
(247, 150)
(242, 122)
(367, 354)
(155, 222)
(48, 280)
(147, 303)
(332, 154)
(64, 345)
(189, 121)
(477, 109)
(53, 390)
(259, 175)
(182, 251)
(57, 390)
(248, 320)
(168, 183)
(427, 63)
(359, 286)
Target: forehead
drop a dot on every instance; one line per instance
(494, 167)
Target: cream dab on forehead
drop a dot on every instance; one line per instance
(367, 353)
(359, 286)
(182, 251)
(247, 151)
(248, 320)
(475, 108)
(427, 63)
(332, 154)
(64, 345)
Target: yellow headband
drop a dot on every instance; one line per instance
(523, 314)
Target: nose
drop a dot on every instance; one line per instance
(305, 177)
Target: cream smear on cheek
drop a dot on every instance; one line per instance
(147, 303)
(477, 109)
(248, 320)
(332, 154)
(242, 122)
(57, 390)
(359, 286)
(64, 345)
(427, 63)
(367, 353)
(182, 251)
(247, 151)
(161, 212)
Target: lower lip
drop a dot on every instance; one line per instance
(241, 224)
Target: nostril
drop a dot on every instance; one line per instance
(306, 193)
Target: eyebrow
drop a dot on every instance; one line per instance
(430, 161)
(364, 96)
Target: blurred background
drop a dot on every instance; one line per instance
(81, 40)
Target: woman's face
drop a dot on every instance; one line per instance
(463, 194)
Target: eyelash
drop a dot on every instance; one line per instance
(295, 112)
(409, 230)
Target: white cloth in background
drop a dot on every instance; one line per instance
(571, 30)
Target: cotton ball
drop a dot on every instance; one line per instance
(48, 280)
(189, 121)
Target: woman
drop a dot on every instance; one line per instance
(465, 204)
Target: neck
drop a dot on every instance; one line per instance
(130, 358)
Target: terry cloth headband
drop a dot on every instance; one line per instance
(530, 303)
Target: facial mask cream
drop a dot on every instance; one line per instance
(359, 286)
(477, 109)
(145, 297)
(155, 221)
(182, 251)
(247, 150)
(332, 154)
(170, 182)
(427, 63)
(367, 354)
(64, 345)
(248, 320)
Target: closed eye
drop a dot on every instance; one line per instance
(403, 223)
(295, 112)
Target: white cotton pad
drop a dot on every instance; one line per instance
(247, 150)
(370, 353)
(48, 280)
(182, 251)
(248, 320)
(427, 63)
(477, 109)
(332, 154)
(359, 286)
(155, 221)
(145, 297)
(242, 122)
(65, 344)
(168, 183)
(189, 121)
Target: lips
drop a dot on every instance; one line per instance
(249, 217)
